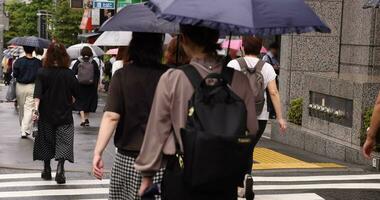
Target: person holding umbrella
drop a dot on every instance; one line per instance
(88, 74)
(127, 110)
(169, 111)
(25, 71)
(56, 89)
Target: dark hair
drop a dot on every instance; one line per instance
(122, 53)
(252, 45)
(145, 49)
(202, 37)
(39, 51)
(28, 49)
(171, 54)
(56, 56)
(274, 45)
(86, 52)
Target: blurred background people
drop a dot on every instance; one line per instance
(122, 55)
(88, 74)
(54, 94)
(25, 71)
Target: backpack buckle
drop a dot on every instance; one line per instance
(180, 161)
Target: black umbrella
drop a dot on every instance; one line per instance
(251, 17)
(372, 4)
(138, 18)
(31, 41)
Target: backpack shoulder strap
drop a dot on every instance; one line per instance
(259, 65)
(228, 74)
(243, 64)
(192, 74)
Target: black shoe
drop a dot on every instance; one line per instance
(46, 173)
(248, 186)
(87, 122)
(60, 175)
(83, 124)
(24, 137)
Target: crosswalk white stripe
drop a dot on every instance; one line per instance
(49, 183)
(318, 186)
(19, 176)
(300, 196)
(57, 192)
(315, 178)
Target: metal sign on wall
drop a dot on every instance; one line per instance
(123, 3)
(104, 4)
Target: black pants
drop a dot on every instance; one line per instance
(260, 132)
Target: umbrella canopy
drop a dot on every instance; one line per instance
(372, 4)
(74, 51)
(138, 18)
(114, 38)
(31, 41)
(251, 17)
(120, 38)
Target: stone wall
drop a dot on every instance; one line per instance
(344, 63)
(312, 52)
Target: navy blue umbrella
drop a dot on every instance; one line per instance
(138, 18)
(242, 17)
(31, 41)
(372, 4)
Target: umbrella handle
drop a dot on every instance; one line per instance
(229, 44)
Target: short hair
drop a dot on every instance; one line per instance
(202, 37)
(86, 52)
(56, 56)
(39, 51)
(252, 45)
(28, 49)
(171, 53)
(145, 49)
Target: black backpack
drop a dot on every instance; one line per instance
(216, 145)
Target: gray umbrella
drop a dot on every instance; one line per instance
(138, 18)
(372, 4)
(31, 41)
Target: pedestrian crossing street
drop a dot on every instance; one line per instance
(30, 186)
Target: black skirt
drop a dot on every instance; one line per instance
(87, 100)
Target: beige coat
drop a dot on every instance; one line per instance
(169, 111)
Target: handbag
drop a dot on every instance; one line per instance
(11, 92)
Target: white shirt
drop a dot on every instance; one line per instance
(268, 73)
(116, 66)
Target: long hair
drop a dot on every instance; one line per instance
(145, 49)
(56, 56)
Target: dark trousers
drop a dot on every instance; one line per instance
(260, 132)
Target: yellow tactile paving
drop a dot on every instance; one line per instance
(269, 159)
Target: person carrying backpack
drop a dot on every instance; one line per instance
(88, 74)
(202, 122)
(262, 77)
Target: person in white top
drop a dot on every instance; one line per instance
(252, 46)
(119, 62)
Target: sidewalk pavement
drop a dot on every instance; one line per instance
(16, 153)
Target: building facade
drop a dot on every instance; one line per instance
(336, 75)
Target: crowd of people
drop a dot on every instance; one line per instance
(147, 107)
